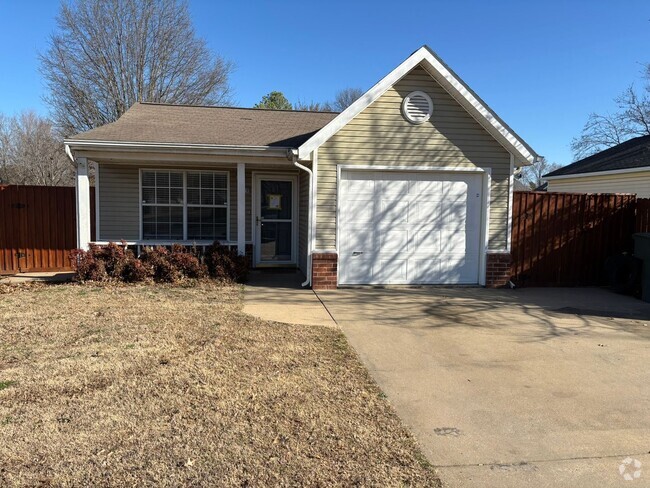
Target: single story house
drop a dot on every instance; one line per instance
(624, 168)
(411, 184)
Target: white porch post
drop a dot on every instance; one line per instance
(241, 209)
(83, 204)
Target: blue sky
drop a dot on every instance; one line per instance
(542, 66)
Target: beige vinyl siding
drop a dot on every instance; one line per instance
(381, 136)
(636, 182)
(119, 200)
(119, 194)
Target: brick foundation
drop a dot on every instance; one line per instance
(498, 270)
(323, 275)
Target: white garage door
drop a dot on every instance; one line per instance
(409, 227)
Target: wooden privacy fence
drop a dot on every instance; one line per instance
(38, 227)
(564, 239)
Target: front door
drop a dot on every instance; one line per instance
(275, 219)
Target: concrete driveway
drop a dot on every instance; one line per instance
(531, 387)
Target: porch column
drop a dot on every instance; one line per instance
(83, 203)
(241, 209)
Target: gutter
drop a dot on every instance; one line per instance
(292, 155)
(622, 171)
(275, 151)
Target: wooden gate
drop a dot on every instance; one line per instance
(564, 239)
(38, 227)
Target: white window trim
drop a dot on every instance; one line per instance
(185, 204)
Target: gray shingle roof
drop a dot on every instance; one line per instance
(221, 126)
(634, 153)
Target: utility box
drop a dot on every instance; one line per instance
(642, 251)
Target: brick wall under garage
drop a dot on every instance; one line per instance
(324, 268)
(498, 270)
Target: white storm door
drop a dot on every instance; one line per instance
(275, 220)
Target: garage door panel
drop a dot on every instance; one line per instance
(424, 270)
(452, 241)
(359, 211)
(427, 241)
(391, 271)
(393, 241)
(358, 184)
(424, 211)
(424, 189)
(358, 269)
(394, 211)
(410, 227)
(359, 238)
(454, 189)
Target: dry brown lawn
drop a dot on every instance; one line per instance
(175, 386)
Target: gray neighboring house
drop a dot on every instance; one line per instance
(411, 184)
(624, 168)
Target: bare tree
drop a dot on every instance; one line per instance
(533, 175)
(346, 97)
(32, 152)
(108, 54)
(632, 119)
(313, 106)
(5, 147)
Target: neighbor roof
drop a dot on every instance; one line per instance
(634, 153)
(219, 126)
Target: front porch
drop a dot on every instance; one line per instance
(260, 206)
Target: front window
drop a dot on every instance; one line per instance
(184, 205)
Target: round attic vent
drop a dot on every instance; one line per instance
(417, 107)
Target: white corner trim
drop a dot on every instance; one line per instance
(511, 188)
(640, 169)
(485, 227)
(452, 83)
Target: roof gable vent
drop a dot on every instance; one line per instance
(417, 107)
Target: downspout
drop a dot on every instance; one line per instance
(68, 152)
(292, 154)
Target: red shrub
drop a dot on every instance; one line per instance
(187, 262)
(158, 259)
(87, 265)
(224, 263)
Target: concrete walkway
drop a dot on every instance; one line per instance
(276, 295)
(510, 389)
(52, 276)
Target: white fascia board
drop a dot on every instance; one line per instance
(274, 151)
(598, 173)
(450, 82)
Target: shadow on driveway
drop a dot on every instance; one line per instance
(510, 388)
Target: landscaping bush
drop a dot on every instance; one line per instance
(117, 262)
(87, 265)
(187, 262)
(223, 263)
(158, 259)
(113, 261)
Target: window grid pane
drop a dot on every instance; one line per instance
(162, 205)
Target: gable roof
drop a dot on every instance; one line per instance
(160, 123)
(456, 87)
(631, 154)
